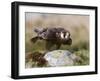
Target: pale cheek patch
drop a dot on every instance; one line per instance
(62, 35)
(67, 34)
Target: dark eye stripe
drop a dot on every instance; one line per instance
(64, 35)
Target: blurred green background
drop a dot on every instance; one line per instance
(78, 25)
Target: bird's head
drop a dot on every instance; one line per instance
(64, 37)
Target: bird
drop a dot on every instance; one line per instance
(53, 36)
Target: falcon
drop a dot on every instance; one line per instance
(53, 36)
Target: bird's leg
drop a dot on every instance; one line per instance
(49, 45)
(58, 46)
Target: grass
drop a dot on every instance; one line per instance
(81, 50)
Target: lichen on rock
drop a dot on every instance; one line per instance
(60, 58)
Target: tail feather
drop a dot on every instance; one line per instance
(36, 30)
(34, 39)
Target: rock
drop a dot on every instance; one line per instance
(60, 58)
